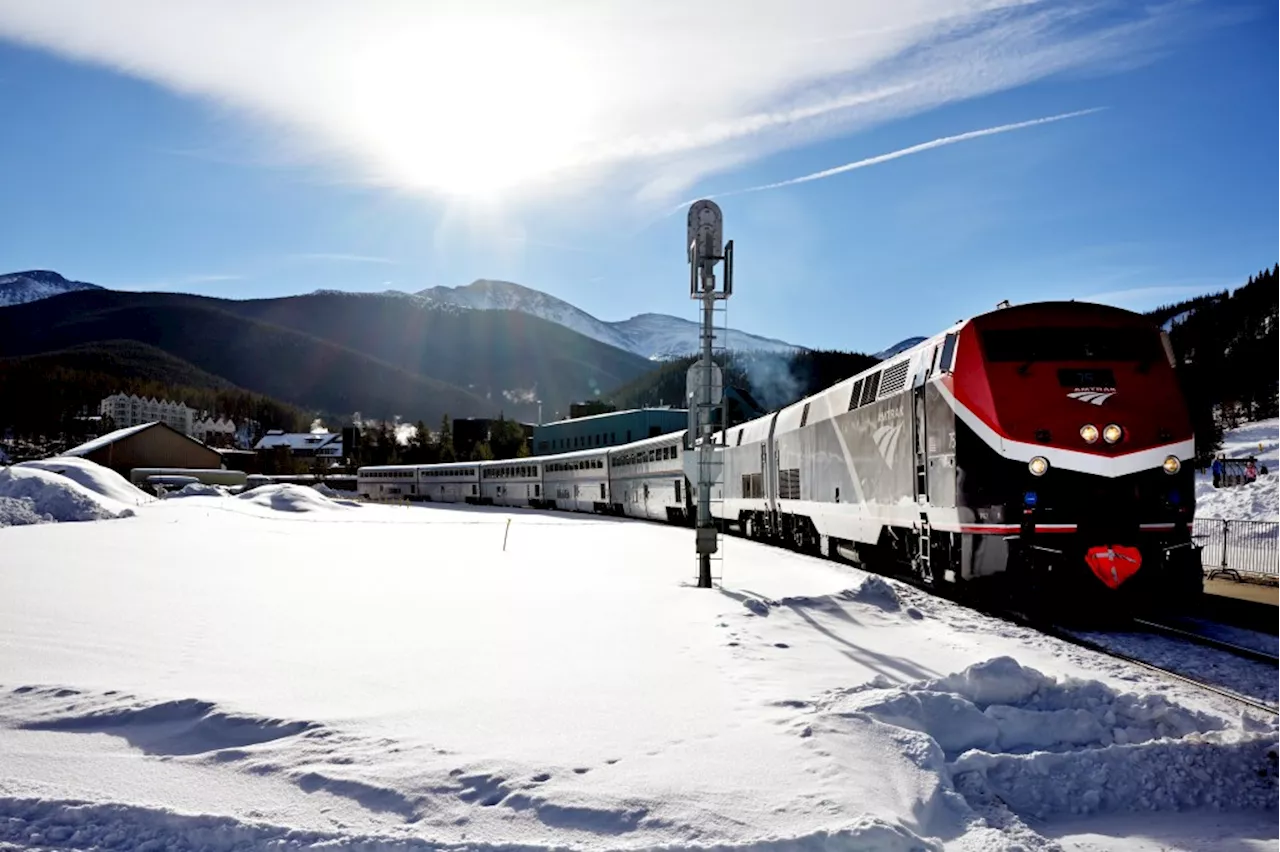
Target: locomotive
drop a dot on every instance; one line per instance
(1043, 444)
(1040, 448)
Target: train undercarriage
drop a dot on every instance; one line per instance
(1066, 576)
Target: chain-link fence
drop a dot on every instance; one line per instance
(1238, 548)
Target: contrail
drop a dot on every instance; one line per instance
(904, 152)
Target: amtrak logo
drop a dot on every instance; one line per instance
(886, 438)
(1097, 396)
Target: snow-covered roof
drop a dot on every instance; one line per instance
(297, 440)
(109, 438)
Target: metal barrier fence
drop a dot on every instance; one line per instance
(1235, 548)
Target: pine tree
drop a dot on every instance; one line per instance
(446, 440)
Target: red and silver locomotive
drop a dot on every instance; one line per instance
(1045, 443)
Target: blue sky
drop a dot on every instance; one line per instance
(243, 151)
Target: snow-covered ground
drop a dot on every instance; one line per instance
(279, 669)
(1259, 501)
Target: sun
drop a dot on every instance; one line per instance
(479, 120)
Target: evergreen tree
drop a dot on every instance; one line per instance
(446, 440)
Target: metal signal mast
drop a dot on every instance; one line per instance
(705, 381)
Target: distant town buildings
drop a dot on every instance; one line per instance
(220, 432)
(133, 410)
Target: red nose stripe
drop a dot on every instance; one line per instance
(1115, 564)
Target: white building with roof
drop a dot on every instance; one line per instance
(303, 444)
(133, 410)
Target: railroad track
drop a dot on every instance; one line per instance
(1057, 632)
(1208, 641)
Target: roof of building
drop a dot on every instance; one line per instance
(297, 440)
(120, 434)
(615, 414)
(109, 438)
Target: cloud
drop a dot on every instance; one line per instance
(495, 100)
(902, 152)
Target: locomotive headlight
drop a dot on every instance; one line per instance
(1089, 432)
(1039, 466)
(1112, 433)
(1172, 465)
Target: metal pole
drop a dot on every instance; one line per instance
(705, 456)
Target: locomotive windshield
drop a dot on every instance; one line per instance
(1070, 344)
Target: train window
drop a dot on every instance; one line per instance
(855, 395)
(804, 415)
(1071, 344)
(948, 354)
(869, 387)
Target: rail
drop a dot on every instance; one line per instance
(1237, 548)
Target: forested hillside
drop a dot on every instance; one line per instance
(42, 394)
(1227, 347)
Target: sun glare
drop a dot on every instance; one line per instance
(478, 124)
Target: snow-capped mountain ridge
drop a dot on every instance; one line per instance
(651, 335)
(17, 288)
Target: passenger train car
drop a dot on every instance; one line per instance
(1043, 443)
(648, 479)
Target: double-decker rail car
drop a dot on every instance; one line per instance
(388, 482)
(647, 479)
(513, 482)
(577, 481)
(449, 482)
(1044, 442)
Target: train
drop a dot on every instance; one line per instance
(1042, 447)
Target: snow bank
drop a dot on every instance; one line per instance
(1046, 747)
(288, 497)
(53, 497)
(95, 477)
(1257, 501)
(199, 489)
(20, 511)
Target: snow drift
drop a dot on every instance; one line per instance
(1047, 747)
(33, 493)
(93, 476)
(289, 497)
(1256, 501)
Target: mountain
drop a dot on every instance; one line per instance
(18, 288)
(381, 355)
(653, 336)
